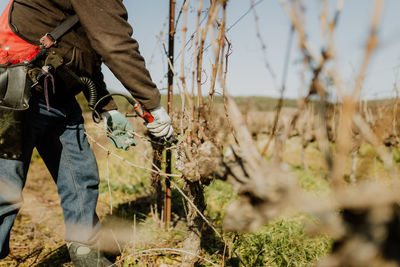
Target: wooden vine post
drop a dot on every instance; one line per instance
(171, 41)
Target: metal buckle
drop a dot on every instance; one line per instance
(47, 40)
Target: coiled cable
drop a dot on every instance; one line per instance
(92, 91)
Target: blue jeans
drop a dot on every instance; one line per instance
(59, 137)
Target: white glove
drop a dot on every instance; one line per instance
(161, 126)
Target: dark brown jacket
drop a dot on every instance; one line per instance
(103, 35)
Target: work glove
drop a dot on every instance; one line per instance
(161, 126)
(117, 127)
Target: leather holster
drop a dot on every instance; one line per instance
(14, 100)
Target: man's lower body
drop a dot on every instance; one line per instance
(59, 136)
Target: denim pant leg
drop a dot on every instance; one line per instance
(71, 161)
(12, 180)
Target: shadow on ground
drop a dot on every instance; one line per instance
(141, 208)
(56, 258)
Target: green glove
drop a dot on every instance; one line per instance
(116, 126)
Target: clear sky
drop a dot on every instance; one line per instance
(247, 72)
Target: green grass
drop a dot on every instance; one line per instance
(283, 242)
(312, 181)
(218, 195)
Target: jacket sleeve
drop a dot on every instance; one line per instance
(109, 33)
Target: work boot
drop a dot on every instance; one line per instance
(85, 256)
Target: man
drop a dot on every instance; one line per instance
(55, 125)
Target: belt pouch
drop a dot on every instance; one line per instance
(14, 87)
(14, 100)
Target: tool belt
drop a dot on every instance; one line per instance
(18, 75)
